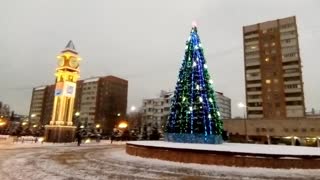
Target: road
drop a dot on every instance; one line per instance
(111, 162)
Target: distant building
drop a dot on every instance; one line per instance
(99, 100)
(156, 110)
(37, 106)
(273, 75)
(224, 104)
(4, 110)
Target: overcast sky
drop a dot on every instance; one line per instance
(142, 41)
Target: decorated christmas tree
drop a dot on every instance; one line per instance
(194, 115)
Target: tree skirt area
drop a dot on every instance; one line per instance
(106, 161)
(236, 147)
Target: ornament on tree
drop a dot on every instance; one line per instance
(194, 114)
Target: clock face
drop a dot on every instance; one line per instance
(73, 62)
(61, 62)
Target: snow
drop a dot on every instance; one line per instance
(40, 88)
(236, 147)
(31, 144)
(105, 161)
(90, 80)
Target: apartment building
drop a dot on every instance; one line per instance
(273, 75)
(99, 100)
(156, 110)
(224, 104)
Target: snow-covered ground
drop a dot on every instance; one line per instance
(105, 161)
(237, 147)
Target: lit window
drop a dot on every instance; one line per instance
(253, 47)
(273, 44)
(267, 59)
(268, 81)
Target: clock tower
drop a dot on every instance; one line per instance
(61, 127)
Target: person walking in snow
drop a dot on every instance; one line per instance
(79, 138)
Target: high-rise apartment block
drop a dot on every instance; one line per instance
(99, 100)
(274, 86)
(103, 101)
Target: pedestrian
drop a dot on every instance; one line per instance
(79, 138)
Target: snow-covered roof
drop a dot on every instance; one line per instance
(91, 80)
(40, 88)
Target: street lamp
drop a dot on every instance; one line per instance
(133, 108)
(241, 105)
(118, 114)
(123, 125)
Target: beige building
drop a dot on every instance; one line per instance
(304, 130)
(224, 104)
(274, 85)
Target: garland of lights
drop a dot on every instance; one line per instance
(194, 115)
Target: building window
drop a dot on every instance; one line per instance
(303, 130)
(268, 81)
(286, 130)
(257, 129)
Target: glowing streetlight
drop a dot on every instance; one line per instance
(2, 123)
(82, 126)
(24, 123)
(33, 115)
(241, 105)
(77, 114)
(34, 126)
(123, 125)
(98, 126)
(118, 114)
(133, 108)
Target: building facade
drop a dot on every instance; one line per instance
(4, 110)
(156, 110)
(99, 100)
(273, 75)
(295, 131)
(224, 104)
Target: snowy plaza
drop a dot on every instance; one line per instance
(94, 161)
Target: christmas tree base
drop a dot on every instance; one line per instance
(193, 138)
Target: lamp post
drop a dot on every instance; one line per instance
(243, 106)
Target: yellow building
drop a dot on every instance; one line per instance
(61, 127)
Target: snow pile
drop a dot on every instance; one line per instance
(236, 147)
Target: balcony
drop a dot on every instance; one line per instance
(260, 108)
(251, 43)
(255, 116)
(256, 63)
(251, 36)
(253, 78)
(249, 49)
(292, 82)
(287, 44)
(290, 59)
(287, 29)
(287, 36)
(294, 66)
(299, 98)
(254, 85)
(291, 74)
(254, 100)
(254, 56)
(293, 90)
(254, 92)
(253, 71)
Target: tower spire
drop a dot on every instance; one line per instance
(70, 46)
